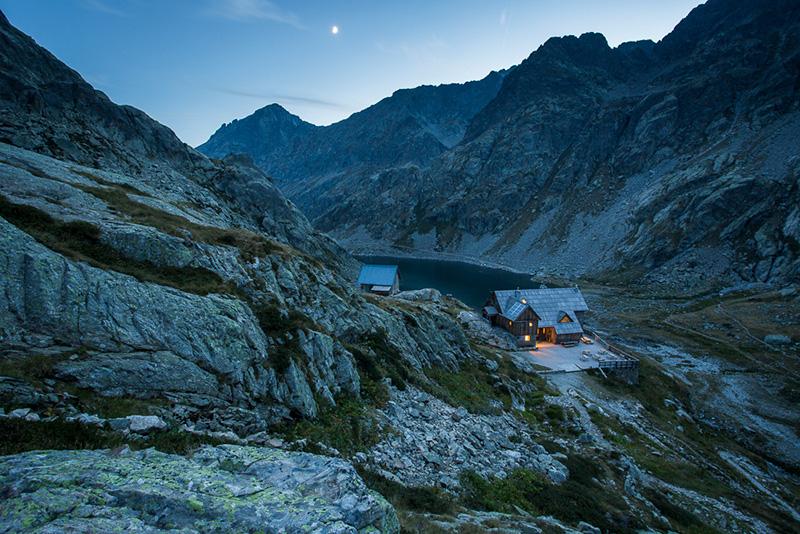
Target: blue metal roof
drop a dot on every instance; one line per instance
(379, 275)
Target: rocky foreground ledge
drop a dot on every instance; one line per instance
(219, 489)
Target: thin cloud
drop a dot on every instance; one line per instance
(253, 10)
(103, 6)
(294, 99)
(429, 51)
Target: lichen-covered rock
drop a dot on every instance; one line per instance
(144, 424)
(425, 295)
(219, 489)
(330, 364)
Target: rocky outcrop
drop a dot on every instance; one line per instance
(219, 489)
(140, 268)
(433, 443)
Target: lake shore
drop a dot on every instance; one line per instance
(374, 251)
(469, 281)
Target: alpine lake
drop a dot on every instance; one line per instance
(470, 283)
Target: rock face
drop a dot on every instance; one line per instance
(137, 267)
(222, 489)
(265, 135)
(678, 159)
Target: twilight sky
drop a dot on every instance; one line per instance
(194, 64)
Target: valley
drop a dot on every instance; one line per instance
(586, 160)
(184, 346)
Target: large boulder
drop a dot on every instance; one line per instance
(220, 489)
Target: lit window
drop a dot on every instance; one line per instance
(524, 301)
(527, 338)
(530, 325)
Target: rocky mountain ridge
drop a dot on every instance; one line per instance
(411, 127)
(674, 159)
(127, 246)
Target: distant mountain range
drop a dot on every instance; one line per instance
(677, 159)
(413, 126)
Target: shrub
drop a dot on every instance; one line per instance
(501, 494)
(386, 362)
(21, 436)
(580, 498)
(348, 427)
(274, 323)
(554, 412)
(414, 498)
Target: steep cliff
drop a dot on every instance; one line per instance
(140, 269)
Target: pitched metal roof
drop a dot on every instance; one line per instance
(379, 275)
(550, 304)
(569, 328)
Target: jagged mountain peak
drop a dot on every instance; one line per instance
(582, 134)
(575, 46)
(410, 127)
(718, 17)
(277, 112)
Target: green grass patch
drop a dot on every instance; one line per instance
(348, 427)
(654, 386)
(250, 244)
(473, 387)
(102, 181)
(679, 517)
(81, 241)
(417, 499)
(21, 436)
(580, 498)
(668, 469)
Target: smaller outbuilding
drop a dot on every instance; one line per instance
(379, 279)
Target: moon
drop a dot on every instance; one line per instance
(334, 30)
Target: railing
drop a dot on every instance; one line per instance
(618, 364)
(624, 360)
